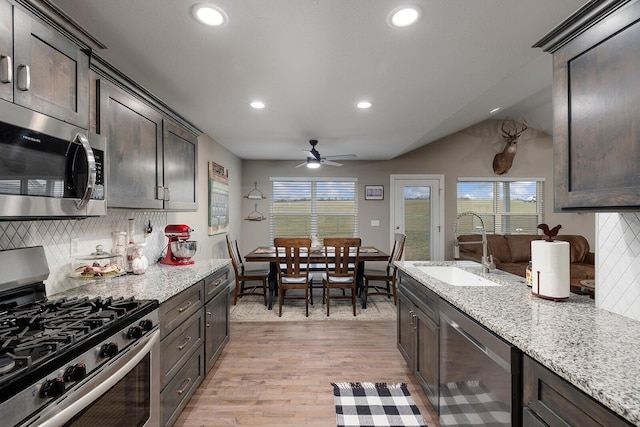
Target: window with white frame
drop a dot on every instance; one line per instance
(300, 207)
(507, 206)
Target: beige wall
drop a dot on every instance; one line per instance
(468, 153)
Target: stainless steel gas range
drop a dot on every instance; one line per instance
(77, 361)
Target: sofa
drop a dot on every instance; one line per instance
(512, 253)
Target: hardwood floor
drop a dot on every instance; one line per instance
(280, 373)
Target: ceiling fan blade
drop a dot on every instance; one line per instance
(330, 163)
(301, 164)
(341, 157)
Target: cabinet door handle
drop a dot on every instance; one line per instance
(167, 194)
(6, 69)
(24, 77)
(186, 385)
(210, 314)
(415, 324)
(181, 347)
(411, 319)
(181, 309)
(160, 193)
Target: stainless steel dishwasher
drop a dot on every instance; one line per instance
(480, 374)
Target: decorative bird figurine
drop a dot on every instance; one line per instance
(550, 233)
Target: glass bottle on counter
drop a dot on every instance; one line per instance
(140, 262)
(131, 248)
(529, 275)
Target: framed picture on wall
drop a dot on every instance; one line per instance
(374, 192)
(218, 199)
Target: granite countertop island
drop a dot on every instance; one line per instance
(594, 349)
(159, 282)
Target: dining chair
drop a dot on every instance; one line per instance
(342, 255)
(244, 275)
(292, 261)
(388, 276)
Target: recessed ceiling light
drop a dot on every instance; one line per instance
(258, 105)
(404, 16)
(209, 14)
(363, 105)
(495, 110)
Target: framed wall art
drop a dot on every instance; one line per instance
(374, 192)
(218, 199)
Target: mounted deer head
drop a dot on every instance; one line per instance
(502, 161)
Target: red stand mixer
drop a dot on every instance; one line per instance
(180, 249)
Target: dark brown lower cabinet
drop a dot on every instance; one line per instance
(418, 335)
(552, 401)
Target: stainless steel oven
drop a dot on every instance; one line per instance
(74, 361)
(49, 168)
(125, 393)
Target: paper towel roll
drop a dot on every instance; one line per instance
(550, 269)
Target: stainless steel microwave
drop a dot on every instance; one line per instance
(49, 168)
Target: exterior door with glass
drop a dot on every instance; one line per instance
(417, 212)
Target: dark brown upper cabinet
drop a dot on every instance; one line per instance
(41, 69)
(596, 103)
(134, 132)
(180, 160)
(152, 160)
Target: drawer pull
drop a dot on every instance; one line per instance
(186, 385)
(6, 72)
(210, 314)
(180, 347)
(24, 77)
(181, 309)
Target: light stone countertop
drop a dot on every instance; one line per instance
(594, 349)
(159, 282)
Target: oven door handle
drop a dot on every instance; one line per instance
(89, 396)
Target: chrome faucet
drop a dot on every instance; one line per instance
(487, 261)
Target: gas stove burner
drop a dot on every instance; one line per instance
(6, 364)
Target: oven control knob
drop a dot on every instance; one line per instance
(146, 325)
(52, 388)
(109, 349)
(75, 372)
(134, 332)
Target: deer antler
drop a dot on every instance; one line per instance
(506, 133)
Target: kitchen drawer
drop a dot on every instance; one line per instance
(177, 393)
(557, 402)
(179, 308)
(421, 296)
(215, 283)
(179, 345)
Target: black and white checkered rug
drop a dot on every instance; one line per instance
(375, 404)
(467, 404)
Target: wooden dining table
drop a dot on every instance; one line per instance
(317, 260)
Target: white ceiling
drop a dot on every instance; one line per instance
(311, 60)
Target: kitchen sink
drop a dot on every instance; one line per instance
(455, 276)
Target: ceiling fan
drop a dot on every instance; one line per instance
(314, 159)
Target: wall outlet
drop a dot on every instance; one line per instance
(74, 246)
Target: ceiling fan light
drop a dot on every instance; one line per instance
(313, 163)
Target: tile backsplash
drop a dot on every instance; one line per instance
(56, 237)
(617, 266)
